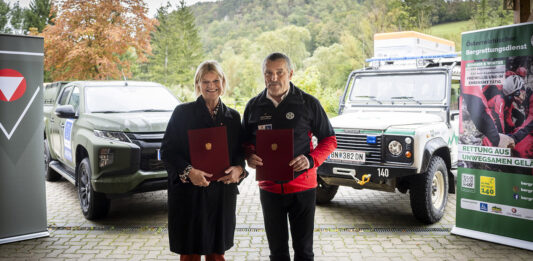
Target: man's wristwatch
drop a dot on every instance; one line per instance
(184, 177)
(244, 174)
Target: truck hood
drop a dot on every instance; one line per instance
(381, 120)
(129, 122)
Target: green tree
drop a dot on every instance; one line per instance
(421, 10)
(490, 13)
(291, 40)
(176, 49)
(332, 65)
(16, 17)
(4, 10)
(39, 14)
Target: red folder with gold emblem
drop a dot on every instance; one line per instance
(275, 148)
(209, 150)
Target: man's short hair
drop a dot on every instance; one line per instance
(276, 56)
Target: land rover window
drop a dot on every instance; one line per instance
(412, 88)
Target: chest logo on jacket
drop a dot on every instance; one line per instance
(265, 117)
(289, 115)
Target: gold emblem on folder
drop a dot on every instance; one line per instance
(208, 146)
(274, 146)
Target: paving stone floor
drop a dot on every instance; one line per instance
(356, 225)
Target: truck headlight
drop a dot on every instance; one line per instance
(395, 148)
(112, 135)
(105, 157)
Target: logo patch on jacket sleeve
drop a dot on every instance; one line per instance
(289, 115)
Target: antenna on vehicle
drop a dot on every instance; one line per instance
(124, 76)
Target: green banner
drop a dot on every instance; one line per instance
(495, 177)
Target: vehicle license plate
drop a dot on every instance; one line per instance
(347, 155)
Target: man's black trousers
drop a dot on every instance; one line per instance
(300, 209)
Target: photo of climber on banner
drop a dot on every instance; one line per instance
(496, 112)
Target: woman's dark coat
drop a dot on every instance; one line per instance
(201, 220)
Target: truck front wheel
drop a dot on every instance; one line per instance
(324, 192)
(94, 205)
(429, 192)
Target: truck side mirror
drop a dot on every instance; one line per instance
(66, 111)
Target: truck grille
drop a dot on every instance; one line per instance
(358, 142)
(149, 143)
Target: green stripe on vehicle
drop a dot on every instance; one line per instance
(399, 132)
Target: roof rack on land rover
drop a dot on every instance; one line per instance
(447, 55)
(417, 61)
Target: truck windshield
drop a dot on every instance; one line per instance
(129, 99)
(399, 88)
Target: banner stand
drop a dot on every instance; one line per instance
(495, 150)
(24, 237)
(22, 181)
(492, 238)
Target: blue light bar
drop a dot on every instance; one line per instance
(371, 139)
(447, 55)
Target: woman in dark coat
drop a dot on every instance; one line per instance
(201, 214)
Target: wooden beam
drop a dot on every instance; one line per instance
(522, 11)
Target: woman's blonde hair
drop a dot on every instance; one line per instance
(203, 69)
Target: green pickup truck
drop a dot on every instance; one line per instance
(104, 137)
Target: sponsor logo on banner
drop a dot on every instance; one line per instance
(487, 186)
(496, 209)
(483, 207)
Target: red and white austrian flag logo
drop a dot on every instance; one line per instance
(12, 85)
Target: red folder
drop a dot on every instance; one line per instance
(209, 150)
(275, 148)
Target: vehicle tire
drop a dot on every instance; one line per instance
(94, 205)
(324, 192)
(49, 173)
(429, 192)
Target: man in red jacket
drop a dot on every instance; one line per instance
(282, 105)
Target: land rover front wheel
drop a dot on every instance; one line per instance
(94, 205)
(324, 192)
(429, 192)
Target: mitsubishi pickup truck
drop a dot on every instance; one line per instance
(396, 130)
(104, 137)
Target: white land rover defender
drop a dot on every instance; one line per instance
(395, 130)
